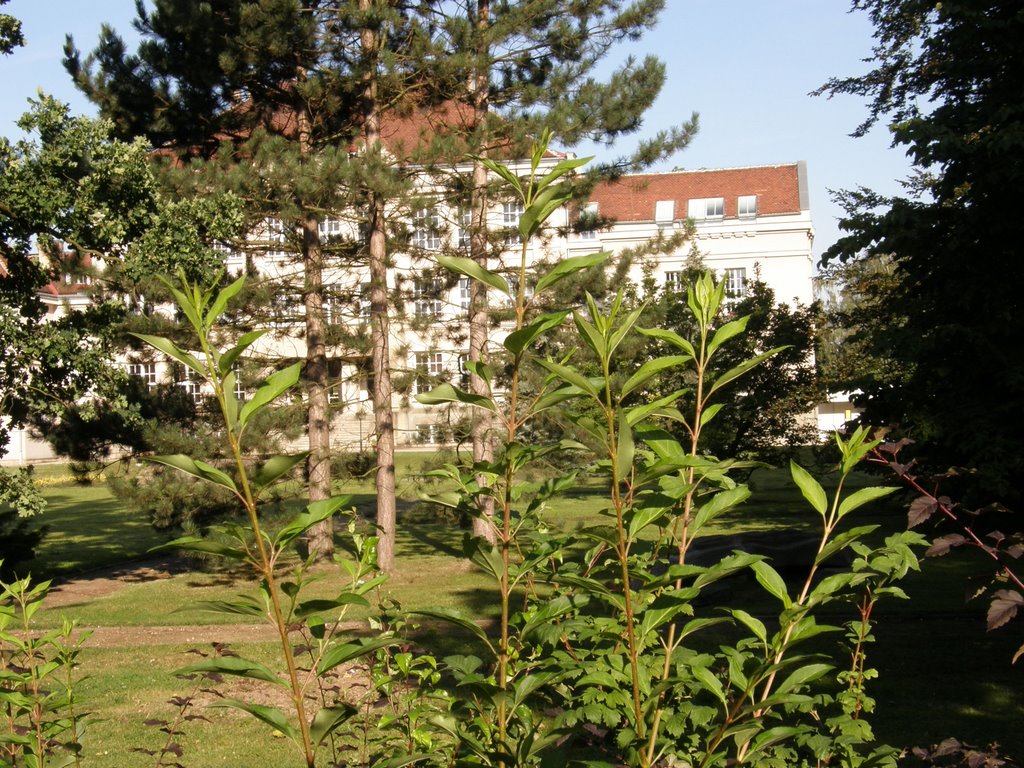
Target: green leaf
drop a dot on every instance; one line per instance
(540, 208)
(625, 449)
(862, 497)
(328, 720)
(230, 356)
(458, 619)
(809, 487)
(842, 541)
(644, 517)
(672, 338)
(239, 607)
(802, 676)
(709, 413)
(446, 393)
(710, 683)
(567, 267)
(315, 513)
(562, 168)
(593, 337)
(481, 369)
(770, 579)
(275, 467)
(276, 384)
(272, 716)
(570, 376)
(205, 546)
(726, 332)
(196, 468)
(189, 305)
(745, 367)
(752, 623)
(239, 667)
(312, 607)
(649, 369)
(172, 350)
(500, 170)
(221, 301)
(517, 341)
(346, 652)
(469, 268)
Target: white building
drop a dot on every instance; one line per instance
(747, 221)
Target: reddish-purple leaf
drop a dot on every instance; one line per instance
(996, 536)
(1005, 603)
(175, 749)
(149, 752)
(1015, 550)
(920, 510)
(1018, 654)
(943, 544)
(947, 747)
(152, 721)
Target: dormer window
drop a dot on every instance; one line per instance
(664, 211)
(701, 208)
(746, 206)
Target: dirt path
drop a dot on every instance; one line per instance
(107, 581)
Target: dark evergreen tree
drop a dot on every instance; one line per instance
(520, 69)
(272, 94)
(946, 78)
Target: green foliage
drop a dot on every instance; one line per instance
(959, 120)
(619, 628)
(42, 723)
(20, 501)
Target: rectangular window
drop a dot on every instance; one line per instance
(274, 234)
(364, 301)
(429, 365)
(144, 371)
(746, 206)
(674, 282)
(189, 381)
(334, 309)
(510, 213)
(588, 218)
(239, 390)
(735, 282)
(701, 208)
(664, 211)
(464, 289)
(428, 297)
(465, 227)
(330, 227)
(426, 232)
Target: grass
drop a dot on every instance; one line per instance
(941, 673)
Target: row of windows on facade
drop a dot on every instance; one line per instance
(428, 367)
(735, 282)
(428, 231)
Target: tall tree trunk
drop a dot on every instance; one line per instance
(479, 315)
(383, 415)
(320, 538)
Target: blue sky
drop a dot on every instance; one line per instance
(746, 66)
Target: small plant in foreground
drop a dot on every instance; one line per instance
(310, 632)
(612, 646)
(42, 724)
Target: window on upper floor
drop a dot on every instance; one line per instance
(275, 238)
(589, 218)
(465, 226)
(427, 294)
(510, 213)
(464, 295)
(746, 206)
(664, 211)
(701, 208)
(426, 231)
(429, 365)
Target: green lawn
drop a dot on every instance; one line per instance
(941, 674)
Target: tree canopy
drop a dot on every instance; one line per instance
(947, 80)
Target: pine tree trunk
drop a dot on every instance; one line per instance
(383, 415)
(320, 538)
(479, 315)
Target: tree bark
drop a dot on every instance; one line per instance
(383, 415)
(479, 316)
(320, 538)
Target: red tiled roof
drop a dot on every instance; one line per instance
(632, 198)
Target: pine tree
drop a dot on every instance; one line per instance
(523, 68)
(260, 97)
